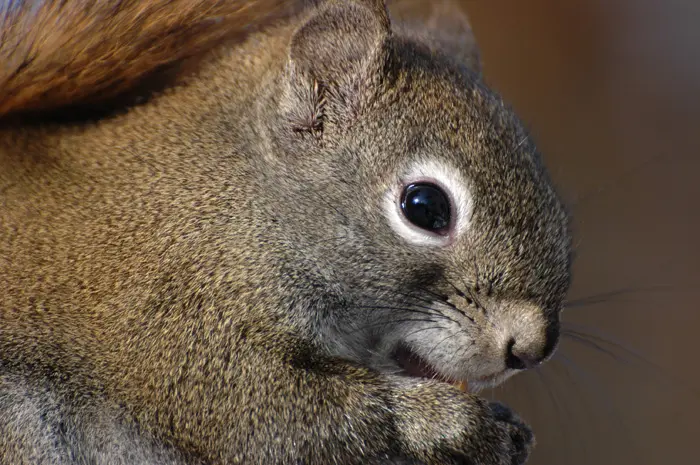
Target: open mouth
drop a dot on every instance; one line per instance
(415, 366)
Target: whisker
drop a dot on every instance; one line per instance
(441, 298)
(586, 378)
(595, 339)
(412, 296)
(607, 296)
(390, 322)
(472, 292)
(461, 354)
(470, 300)
(550, 394)
(587, 406)
(437, 308)
(575, 441)
(429, 308)
(582, 340)
(422, 329)
(562, 411)
(443, 340)
(457, 290)
(404, 309)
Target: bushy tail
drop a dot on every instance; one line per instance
(55, 53)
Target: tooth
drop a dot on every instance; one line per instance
(463, 386)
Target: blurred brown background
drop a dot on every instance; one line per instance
(611, 91)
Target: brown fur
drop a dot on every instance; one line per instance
(211, 277)
(56, 53)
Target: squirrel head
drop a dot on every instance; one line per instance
(416, 201)
(391, 203)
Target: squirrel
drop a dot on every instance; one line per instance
(303, 233)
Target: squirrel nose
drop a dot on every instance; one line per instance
(529, 339)
(518, 359)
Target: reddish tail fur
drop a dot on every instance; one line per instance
(55, 53)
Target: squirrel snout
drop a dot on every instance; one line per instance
(522, 358)
(529, 340)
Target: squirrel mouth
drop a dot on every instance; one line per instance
(415, 366)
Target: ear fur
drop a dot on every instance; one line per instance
(442, 24)
(56, 53)
(334, 59)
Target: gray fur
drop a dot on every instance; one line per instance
(210, 278)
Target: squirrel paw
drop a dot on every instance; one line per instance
(519, 438)
(441, 425)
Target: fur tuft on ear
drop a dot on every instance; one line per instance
(57, 53)
(441, 24)
(336, 42)
(334, 59)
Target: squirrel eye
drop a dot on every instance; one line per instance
(426, 206)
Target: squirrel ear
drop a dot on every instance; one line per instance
(338, 40)
(334, 59)
(444, 21)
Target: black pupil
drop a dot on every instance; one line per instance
(426, 206)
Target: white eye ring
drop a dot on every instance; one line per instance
(450, 182)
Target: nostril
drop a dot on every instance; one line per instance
(512, 361)
(516, 360)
